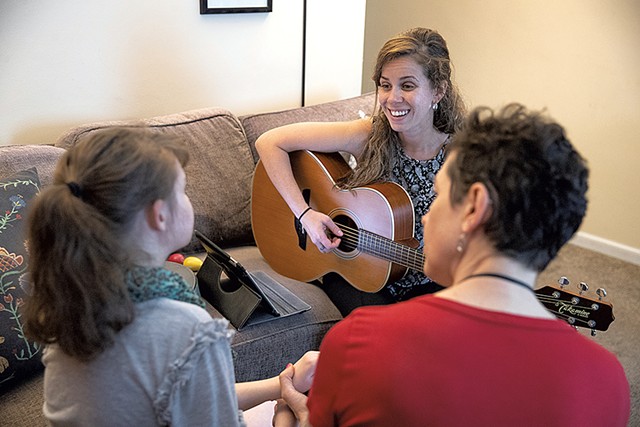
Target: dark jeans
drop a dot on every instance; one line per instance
(347, 298)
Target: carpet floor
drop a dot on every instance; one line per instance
(622, 283)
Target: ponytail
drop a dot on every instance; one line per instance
(80, 300)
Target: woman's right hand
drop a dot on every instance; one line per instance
(322, 231)
(295, 400)
(305, 369)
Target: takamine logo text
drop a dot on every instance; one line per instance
(571, 310)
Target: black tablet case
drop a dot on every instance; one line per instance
(244, 298)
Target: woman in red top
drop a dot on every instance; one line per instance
(484, 351)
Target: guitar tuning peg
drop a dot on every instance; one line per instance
(602, 293)
(563, 281)
(583, 287)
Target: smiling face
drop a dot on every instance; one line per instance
(406, 96)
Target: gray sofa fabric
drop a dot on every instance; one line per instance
(348, 109)
(15, 158)
(219, 177)
(218, 174)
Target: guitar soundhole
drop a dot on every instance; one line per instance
(349, 241)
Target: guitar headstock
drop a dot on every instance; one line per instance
(577, 308)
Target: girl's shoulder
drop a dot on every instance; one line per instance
(175, 318)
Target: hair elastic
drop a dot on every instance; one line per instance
(75, 189)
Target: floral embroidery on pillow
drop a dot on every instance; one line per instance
(18, 356)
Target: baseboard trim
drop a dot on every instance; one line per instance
(607, 247)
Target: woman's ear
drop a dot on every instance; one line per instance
(156, 215)
(477, 207)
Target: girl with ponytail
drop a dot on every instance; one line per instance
(127, 341)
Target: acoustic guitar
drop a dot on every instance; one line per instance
(378, 245)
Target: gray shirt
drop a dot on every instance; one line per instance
(171, 366)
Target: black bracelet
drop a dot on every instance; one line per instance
(304, 212)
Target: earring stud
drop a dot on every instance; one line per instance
(461, 243)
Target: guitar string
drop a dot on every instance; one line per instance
(550, 299)
(551, 302)
(380, 246)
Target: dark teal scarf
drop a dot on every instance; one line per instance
(144, 283)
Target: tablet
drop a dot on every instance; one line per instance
(234, 270)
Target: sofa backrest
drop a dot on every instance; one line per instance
(219, 172)
(16, 158)
(336, 111)
(223, 158)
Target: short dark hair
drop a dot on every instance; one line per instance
(536, 179)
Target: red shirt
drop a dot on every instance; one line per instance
(435, 362)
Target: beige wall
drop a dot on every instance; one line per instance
(579, 59)
(65, 63)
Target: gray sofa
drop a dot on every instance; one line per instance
(219, 176)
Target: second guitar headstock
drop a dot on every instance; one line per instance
(577, 309)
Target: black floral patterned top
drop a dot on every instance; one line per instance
(417, 177)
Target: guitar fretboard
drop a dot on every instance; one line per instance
(382, 247)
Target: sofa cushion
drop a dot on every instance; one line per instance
(19, 357)
(343, 110)
(218, 174)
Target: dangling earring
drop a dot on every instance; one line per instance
(435, 106)
(462, 241)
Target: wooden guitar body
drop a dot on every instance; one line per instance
(378, 221)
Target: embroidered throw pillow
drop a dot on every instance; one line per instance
(19, 357)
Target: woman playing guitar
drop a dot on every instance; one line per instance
(404, 142)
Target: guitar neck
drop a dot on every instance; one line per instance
(383, 248)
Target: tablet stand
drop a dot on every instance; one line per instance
(234, 299)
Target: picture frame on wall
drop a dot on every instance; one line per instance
(234, 6)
